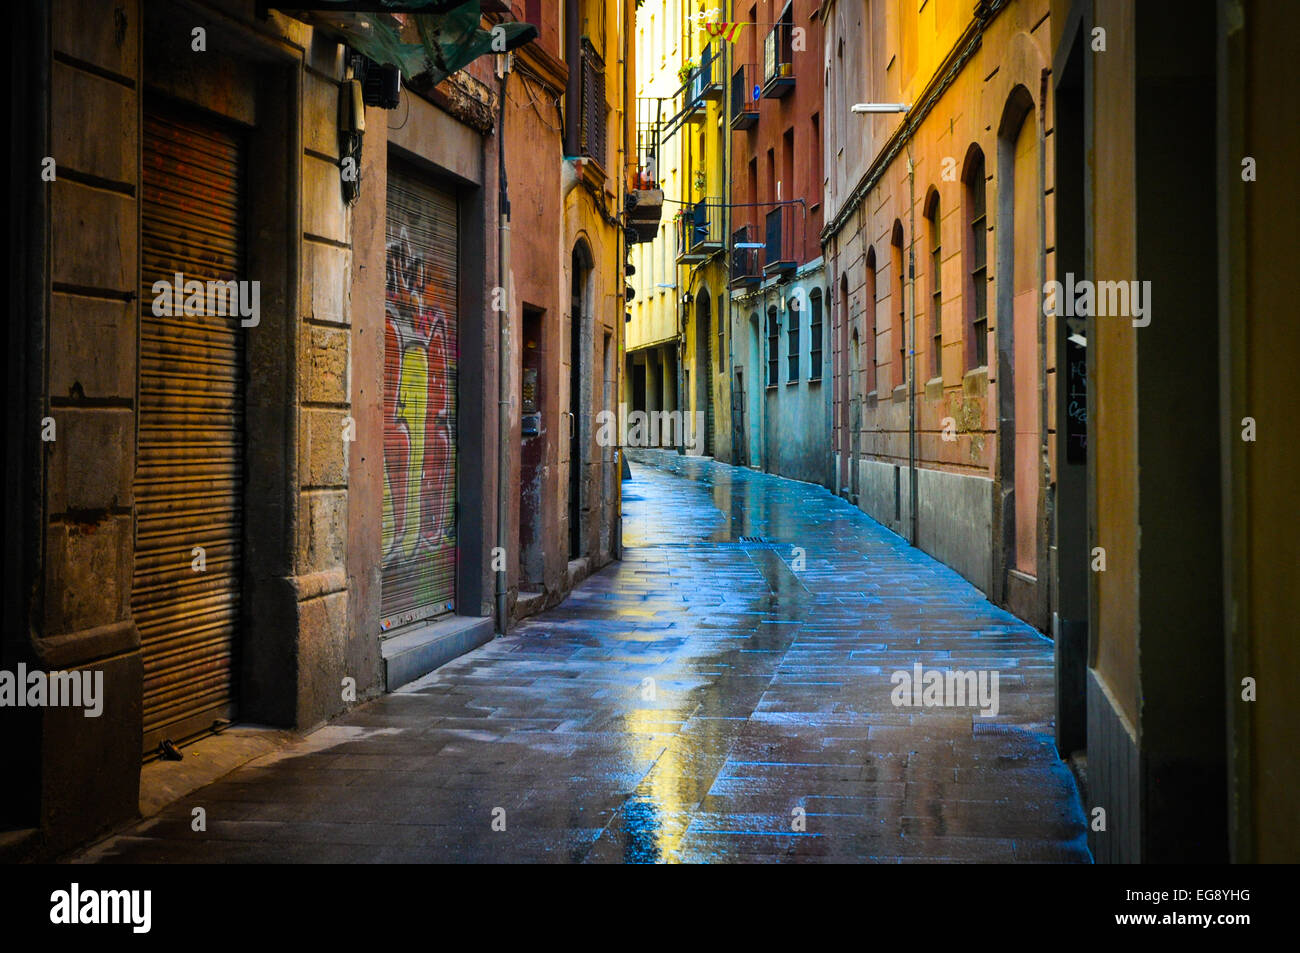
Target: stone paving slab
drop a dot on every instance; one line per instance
(707, 699)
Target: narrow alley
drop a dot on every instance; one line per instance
(721, 694)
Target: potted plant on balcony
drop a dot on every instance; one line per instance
(685, 72)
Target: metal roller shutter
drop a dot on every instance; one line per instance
(190, 457)
(420, 361)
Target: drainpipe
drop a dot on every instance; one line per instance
(1047, 532)
(911, 387)
(503, 365)
(728, 224)
(573, 87)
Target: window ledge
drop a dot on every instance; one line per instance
(975, 382)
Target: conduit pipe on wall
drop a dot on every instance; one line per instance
(911, 382)
(503, 363)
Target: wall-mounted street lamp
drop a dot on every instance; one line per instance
(880, 107)
(873, 108)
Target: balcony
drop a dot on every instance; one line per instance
(644, 209)
(746, 257)
(699, 231)
(784, 241)
(745, 93)
(704, 82)
(778, 62)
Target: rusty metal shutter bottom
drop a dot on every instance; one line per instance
(190, 463)
(420, 364)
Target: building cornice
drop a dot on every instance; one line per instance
(551, 70)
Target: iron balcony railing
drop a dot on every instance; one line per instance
(745, 93)
(699, 230)
(643, 164)
(746, 256)
(778, 57)
(783, 244)
(705, 81)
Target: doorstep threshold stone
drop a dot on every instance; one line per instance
(418, 651)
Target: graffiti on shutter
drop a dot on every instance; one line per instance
(420, 363)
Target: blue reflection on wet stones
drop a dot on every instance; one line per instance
(678, 707)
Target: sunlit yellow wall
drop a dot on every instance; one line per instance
(658, 56)
(705, 175)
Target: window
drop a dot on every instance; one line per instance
(899, 341)
(591, 121)
(815, 336)
(778, 49)
(869, 293)
(785, 187)
(752, 35)
(722, 361)
(750, 214)
(819, 171)
(976, 260)
(773, 342)
(936, 287)
(793, 332)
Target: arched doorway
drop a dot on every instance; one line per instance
(704, 366)
(854, 419)
(579, 374)
(1017, 357)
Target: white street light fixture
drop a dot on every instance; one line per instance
(911, 274)
(880, 107)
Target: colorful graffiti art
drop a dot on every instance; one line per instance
(419, 530)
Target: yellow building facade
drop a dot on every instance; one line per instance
(677, 332)
(650, 380)
(702, 229)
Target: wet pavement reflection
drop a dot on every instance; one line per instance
(721, 694)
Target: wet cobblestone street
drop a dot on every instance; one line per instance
(721, 694)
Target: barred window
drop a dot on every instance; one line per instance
(815, 336)
(936, 289)
(976, 259)
(793, 332)
(773, 342)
